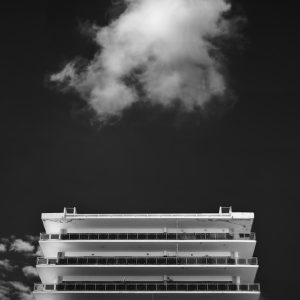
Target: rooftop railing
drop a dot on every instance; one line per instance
(72, 211)
(147, 287)
(147, 261)
(148, 236)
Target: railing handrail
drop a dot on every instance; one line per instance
(148, 286)
(148, 236)
(148, 260)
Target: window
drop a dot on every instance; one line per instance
(142, 236)
(92, 261)
(123, 236)
(72, 261)
(64, 236)
(93, 236)
(132, 236)
(90, 287)
(111, 261)
(44, 236)
(141, 261)
(103, 236)
(161, 260)
(151, 261)
(171, 236)
(84, 236)
(82, 260)
(74, 236)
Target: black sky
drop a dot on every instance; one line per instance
(53, 156)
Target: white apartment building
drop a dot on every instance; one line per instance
(147, 256)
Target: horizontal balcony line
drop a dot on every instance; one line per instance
(147, 287)
(147, 261)
(148, 236)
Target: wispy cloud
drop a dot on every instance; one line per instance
(15, 290)
(4, 290)
(2, 248)
(30, 272)
(21, 287)
(5, 265)
(22, 246)
(160, 52)
(39, 252)
(17, 271)
(27, 246)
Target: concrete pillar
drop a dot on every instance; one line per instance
(236, 280)
(59, 280)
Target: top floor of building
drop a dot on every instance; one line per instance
(223, 221)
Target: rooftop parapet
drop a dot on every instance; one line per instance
(224, 212)
(69, 221)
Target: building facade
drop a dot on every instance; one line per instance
(147, 256)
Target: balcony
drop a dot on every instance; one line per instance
(147, 287)
(147, 236)
(98, 243)
(147, 261)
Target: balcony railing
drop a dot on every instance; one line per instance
(147, 287)
(148, 261)
(148, 236)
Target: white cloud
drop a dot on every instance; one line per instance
(21, 291)
(20, 287)
(2, 248)
(160, 49)
(26, 296)
(15, 290)
(67, 72)
(5, 265)
(32, 238)
(13, 264)
(3, 296)
(4, 290)
(39, 252)
(30, 272)
(22, 246)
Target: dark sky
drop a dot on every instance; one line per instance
(52, 155)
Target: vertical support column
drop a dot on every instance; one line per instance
(236, 280)
(59, 280)
(63, 231)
